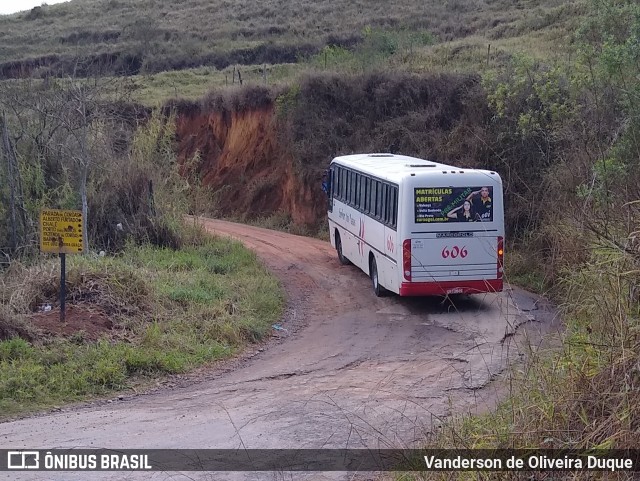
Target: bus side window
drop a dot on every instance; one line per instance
(354, 198)
(372, 197)
(387, 207)
(347, 185)
(348, 189)
(394, 212)
(390, 206)
(352, 188)
(332, 181)
(378, 200)
(343, 183)
(385, 200)
(367, 188)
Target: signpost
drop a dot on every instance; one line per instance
(61, 233)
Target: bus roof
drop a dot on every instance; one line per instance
(395, 167)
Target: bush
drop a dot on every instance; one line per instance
(142, 197)
(241, 100)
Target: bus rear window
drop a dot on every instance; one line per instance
(453, 204)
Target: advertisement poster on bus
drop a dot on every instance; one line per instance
(453, 204)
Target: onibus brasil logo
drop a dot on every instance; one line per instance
(77, 461)
(23, 460)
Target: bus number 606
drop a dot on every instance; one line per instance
(454, 252)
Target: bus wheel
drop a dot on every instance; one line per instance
(373, 270)
(343, 260)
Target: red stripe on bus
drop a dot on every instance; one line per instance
(450, 287)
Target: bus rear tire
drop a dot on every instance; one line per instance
(373, 272)
(343, 260)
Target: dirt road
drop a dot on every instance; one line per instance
(351, 370)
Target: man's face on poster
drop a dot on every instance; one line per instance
(484, 192)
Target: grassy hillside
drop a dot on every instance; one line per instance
(150, 36)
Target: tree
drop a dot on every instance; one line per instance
(61, 129)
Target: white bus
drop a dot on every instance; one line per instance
(417, 228)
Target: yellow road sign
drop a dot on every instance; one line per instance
(61, 231)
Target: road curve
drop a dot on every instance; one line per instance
(349, 370)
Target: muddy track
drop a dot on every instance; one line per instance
(349, 370)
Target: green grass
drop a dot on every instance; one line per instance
(192, 306)
(525, 270)
(193, 84)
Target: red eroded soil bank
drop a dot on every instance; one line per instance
(243, 159)
(263, 150)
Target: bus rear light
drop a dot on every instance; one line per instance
(500, 257)
(406, 259)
